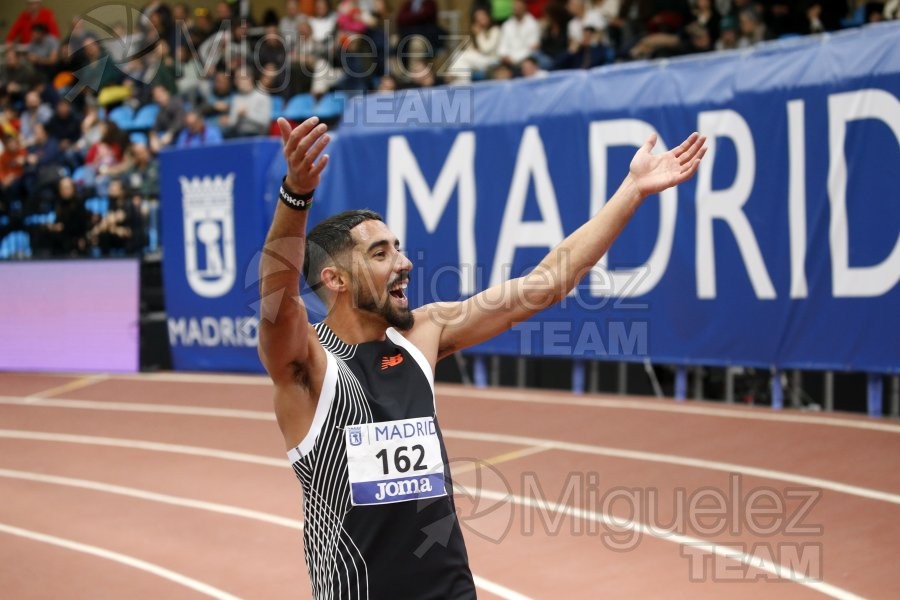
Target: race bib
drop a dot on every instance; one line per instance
(394, 461)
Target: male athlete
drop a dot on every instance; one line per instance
(354, 394)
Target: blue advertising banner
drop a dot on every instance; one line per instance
(214, 224)
(784, 250)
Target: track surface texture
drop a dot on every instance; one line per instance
(178, 486)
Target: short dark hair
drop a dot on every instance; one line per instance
(329, 238)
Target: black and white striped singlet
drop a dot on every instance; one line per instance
(370, 540)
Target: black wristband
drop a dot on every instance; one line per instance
(295, 201)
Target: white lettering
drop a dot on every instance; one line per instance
(531, 163)
(847, 281)
(629, 132)
(458, 173)
(727, 204)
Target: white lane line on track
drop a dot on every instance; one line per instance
(124, 559)
(728, 552)
(724, 551)
(751, 414)
(144, 445)
(497, 589)
(513, 395)
(120, 490)
(681, 461)
(826, 484)
(481, 582)
(172, 409)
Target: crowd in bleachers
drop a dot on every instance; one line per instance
(85, 115)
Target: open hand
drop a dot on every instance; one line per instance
(302, 147)
(655, 173)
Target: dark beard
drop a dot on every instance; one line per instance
(401, 320)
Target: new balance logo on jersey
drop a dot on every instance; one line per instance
(391, 361)
(404, 487)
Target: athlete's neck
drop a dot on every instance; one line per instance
(354, 326)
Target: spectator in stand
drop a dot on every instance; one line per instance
(583, 14)
(554, 38)
(216, 100)
(874, 12)
(782, 18)
(707, 16)
(121, 230)
(223, 14)
(421, 74)
(351, 20)
(307, 63)
(273, 48)
(251, 109)
(36, 112)
(419, 18)
(196, 132)
(387, 85)
(531, 70)
(169, 119)
(17, 76)
(323, 22)
(287, 26)
(142, 173)
(71, 55)
(825, 15)
(65, 236)
(21, 32)
(520, 35)
(43, 163)
(12, 165)
(273, 81)
(502, 72)
(892, 9)
(728, 37)
(188, 71)
(480, 53)
(752, 29)
(586, 53)
(182, 17)
(43, 50)
(64, 125)
(104, 158)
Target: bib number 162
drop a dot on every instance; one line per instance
(403, 459)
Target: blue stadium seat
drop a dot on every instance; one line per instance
(80, 174)
(331, 106)
(122, 116)
(138, 137)
(145, 117)
(277, 106)
(300, 107)
(17, 244)
(4, 220)
(99, 206)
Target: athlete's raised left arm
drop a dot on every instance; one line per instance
(493, 311)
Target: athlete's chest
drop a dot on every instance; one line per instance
(394, 384)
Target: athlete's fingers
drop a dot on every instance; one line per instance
(313, 153)
(285, 129)
(299, 133)
(691, 152)
(685, 145)
(651, 141)
(319, 166)
(308, 140)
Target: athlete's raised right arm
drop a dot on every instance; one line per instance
(288, 347)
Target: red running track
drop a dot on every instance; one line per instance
(175, 485)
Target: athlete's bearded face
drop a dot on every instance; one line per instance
(380, 274)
